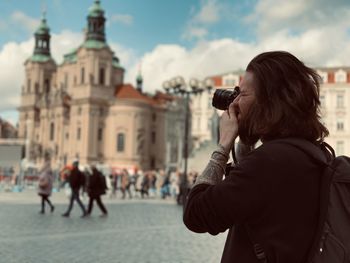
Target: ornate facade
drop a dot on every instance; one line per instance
(81, 109)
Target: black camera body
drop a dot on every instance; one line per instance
(223, 97)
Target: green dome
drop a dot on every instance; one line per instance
(43, 28)
(139, 77)
(96, 10)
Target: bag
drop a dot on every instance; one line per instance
(43, 182)
(332, 240)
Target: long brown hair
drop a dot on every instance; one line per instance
(287, 100)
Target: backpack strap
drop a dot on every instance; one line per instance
(323, 155)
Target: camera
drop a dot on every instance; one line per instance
(223, 97)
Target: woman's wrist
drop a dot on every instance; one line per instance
(226, 145)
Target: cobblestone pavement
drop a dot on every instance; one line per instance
(143, 231)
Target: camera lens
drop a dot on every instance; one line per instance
(223, 97)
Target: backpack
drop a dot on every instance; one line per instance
(332, 240)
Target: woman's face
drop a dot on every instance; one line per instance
(246, 97)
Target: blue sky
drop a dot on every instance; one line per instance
(192, 38)
(140, 25)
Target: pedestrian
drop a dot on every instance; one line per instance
(125, 183)
(45, 184)
(76, 181)
(114, 181)
(96, 187)
(269, 199)
(145, 184)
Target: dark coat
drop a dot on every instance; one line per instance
(97, 184)
(76, 179)
(275, 192)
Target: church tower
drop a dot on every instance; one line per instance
(39, 70)
(96, 72)
(96, 23)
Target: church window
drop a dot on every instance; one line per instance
(153, 162)
(120, 142)
(52, 131)
(102, 76)
(153, 137)
(82, 75)
(47, 86)
(99, 134)
(65, 80)
(28, 85)
(78, 133)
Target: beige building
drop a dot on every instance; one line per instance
(334, 96)
(81, 109)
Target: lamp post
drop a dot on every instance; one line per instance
(179, 87)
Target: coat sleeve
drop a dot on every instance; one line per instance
(236, 199)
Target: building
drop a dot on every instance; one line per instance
(334, 97)
(335, 101)
(7, 130)
(82, 109)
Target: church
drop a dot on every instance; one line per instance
(82, 109)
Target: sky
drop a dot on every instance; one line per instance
(165, 38)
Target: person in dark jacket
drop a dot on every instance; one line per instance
(76, 180)
(96, 188)
(269, 199)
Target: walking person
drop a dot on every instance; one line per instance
(96, 187)
(45, 184)
(76, 180)
(114, 184)
(145, 184)
(125, 183)
(270, 199)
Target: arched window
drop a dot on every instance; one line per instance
(52, 131)
(120, 142)
(82, 75)
(78, 133)
(102, 76)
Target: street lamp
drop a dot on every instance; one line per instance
(178, 86)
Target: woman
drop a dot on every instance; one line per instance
(45, 185)
(269, 200)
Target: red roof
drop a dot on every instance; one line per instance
(127, 91)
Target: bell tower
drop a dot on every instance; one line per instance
(96, 23)
(39, 70)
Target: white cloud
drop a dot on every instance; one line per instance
(297, 16)
(122, 18)
(207, 58)
(126, 56)
(208, 13)
(12, 57)
(195, 32)
(322, 46)
(25, 21)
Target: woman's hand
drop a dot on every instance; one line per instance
(228, 128)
